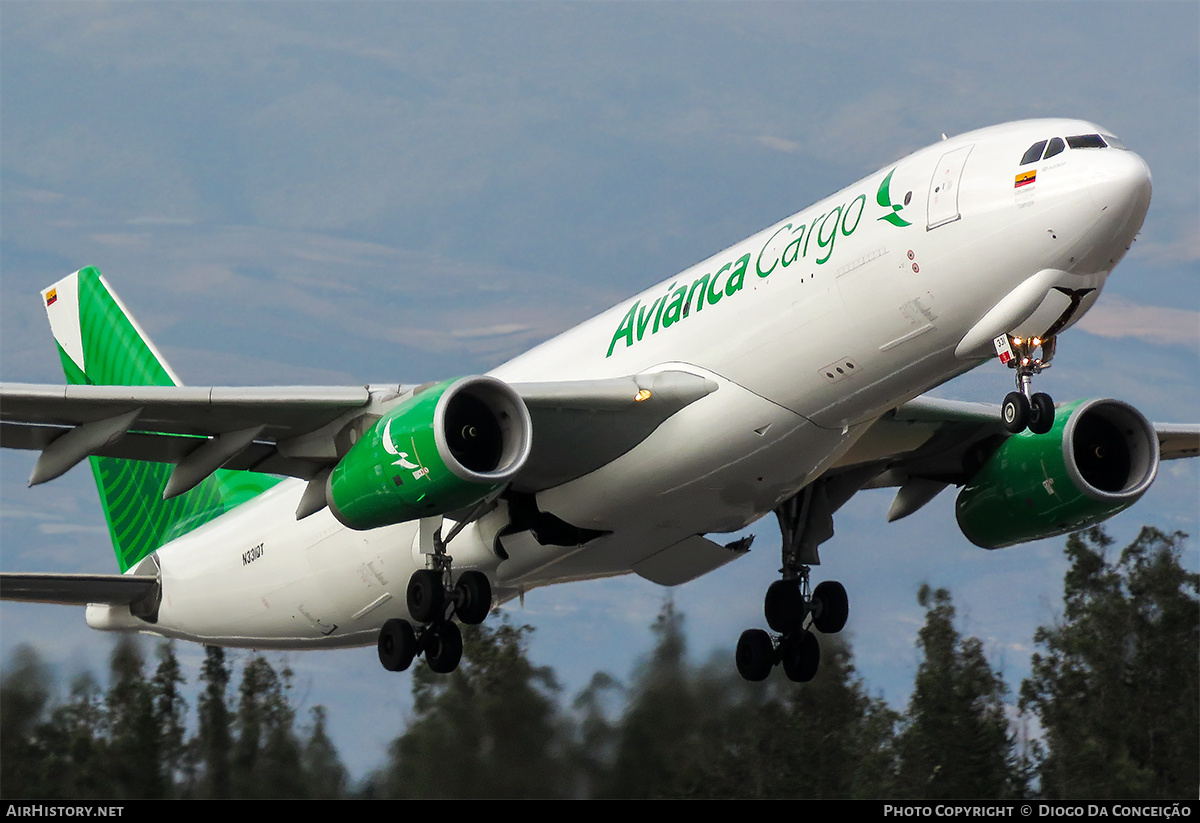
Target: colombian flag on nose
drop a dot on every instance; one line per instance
(51, 296)
(1025, 178)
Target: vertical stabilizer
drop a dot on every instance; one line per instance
(101, 344)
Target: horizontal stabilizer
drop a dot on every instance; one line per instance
(140, 592)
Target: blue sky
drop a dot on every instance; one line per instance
(395, 192)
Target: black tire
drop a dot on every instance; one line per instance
(426, 596)
(784, 606)
(1041, 413)
(472, 597)
(443, 647)
(830, 616)
(755, 655)
(801, 657)
(397, 645)
(1014, 414)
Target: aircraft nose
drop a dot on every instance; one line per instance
(1120, 184)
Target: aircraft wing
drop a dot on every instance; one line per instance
(578, 426)
(927, 444)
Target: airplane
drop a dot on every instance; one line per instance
(781, 375)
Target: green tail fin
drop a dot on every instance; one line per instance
(101, 344)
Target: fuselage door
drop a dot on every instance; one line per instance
(943, 188)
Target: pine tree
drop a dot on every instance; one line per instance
(24, 696)
(213, 741)
(659, 729)
(266, 752)
(135, 754)
(73, 757)
(955, 741)
(325, 776)
(489, 729)
(1117, 685)
(170, 711)
(824, 738)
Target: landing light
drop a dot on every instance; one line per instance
(643, 394)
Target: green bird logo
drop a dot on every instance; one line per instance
(884, 198)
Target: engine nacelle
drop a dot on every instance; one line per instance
(1097, 460)
(442, 449)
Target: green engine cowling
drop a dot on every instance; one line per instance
(1097, 460)
(444, 448)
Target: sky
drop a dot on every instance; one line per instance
(345, 193)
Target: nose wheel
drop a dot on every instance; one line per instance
(1022, 409)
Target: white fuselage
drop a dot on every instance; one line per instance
(811, 329)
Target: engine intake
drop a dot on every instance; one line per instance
(1097, 460)
(442, 449)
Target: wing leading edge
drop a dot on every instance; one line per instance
(301, 431)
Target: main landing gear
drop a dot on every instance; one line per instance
(433, 601)
(1021, 409)
(791, 607)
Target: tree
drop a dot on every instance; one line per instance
(170, 711)
(24, 695)
(659, 729)
(955, 741)
(1117, 684)
(325, 776)
(489, 729)
(135, 762)
(73, 750)
(214, 737)
(823, 738)
(266, 752)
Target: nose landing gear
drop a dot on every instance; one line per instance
(1021, 409)
(433, 602)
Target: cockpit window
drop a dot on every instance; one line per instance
(1033, 153)
(1113, 142)
(1086, 141)
(1045, 149)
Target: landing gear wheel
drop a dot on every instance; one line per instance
(800, 655)
(1015, 412)
(755, 655)
(472, 597)
(443, 647)
(831, 607)
(426, 596)
(784, 606)
(1041, 413)
(397, 645)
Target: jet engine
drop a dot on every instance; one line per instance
(1097, 460)
(445, 448)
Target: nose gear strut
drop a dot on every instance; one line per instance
(1022, 409)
